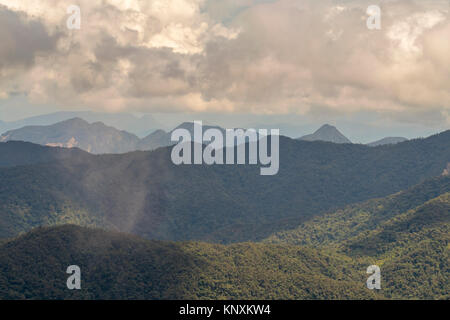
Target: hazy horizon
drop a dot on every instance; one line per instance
(291, 125)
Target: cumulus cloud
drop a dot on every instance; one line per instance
(22, 41)
(257, 56)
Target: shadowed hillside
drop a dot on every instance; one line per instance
(120, 266)
(18, 153)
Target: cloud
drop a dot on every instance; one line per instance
(267, 57)
(23, 41)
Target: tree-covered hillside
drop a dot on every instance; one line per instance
(332, 229)
(406, 234)
(146, 194)
(120, 266)
(18, 153)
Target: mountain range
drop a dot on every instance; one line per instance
(99, 138)
(146, 194)
(95, 138)
(141, 227)
(406, 234)
(330, 133)
(140, 126)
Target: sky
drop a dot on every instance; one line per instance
(295, 61)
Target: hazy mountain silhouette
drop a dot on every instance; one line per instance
(161, 138)
(95, 138)
(326, 133)
(122, 121)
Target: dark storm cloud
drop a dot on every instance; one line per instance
(22, 38)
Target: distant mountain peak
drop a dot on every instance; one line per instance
(158, 132)
(76, 132)
(75, 120)
(326, 126)
(328, 133)
(185, 125)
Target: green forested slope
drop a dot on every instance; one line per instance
(120, 266)
(145, 194)
(407, 235)
(359, 219)
(428, 221)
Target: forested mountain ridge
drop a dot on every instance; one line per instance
(119, 266)
(407, 235)
(19, 153)
(144, 193)
(360, 218)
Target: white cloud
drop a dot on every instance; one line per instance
(281, 56)
(405, 32)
